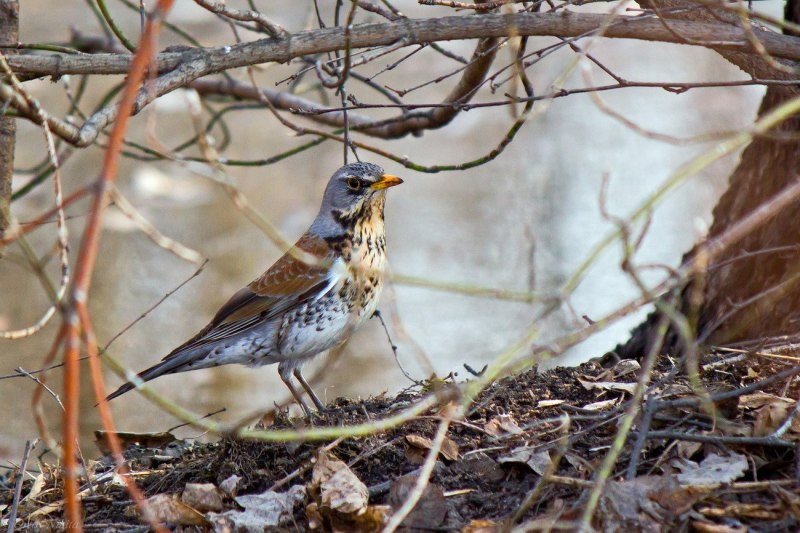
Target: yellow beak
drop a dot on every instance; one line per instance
(386, 181)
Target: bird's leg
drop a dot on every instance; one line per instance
(311, 394)
(286, 376)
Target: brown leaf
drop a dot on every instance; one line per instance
(449, 449)
(336, 486)
(769, 418)
(608, 385)
(169, 509)
(502, 424)
(481, 526)
(625, 367)
(599, 406)
(760, 399)
(714, 469)
(202, 496)
(538, 461)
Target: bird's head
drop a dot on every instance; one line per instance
(355, 192)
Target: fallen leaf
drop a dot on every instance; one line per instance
(608, 385)
(371, 520)
(625, 367)
(261, 511)
(501, 424)
(481, 526)
(169, 509)
(338, 488)
(599, 406)
(449, 449)
(202, 496)
(449, 410)
(760, 399)
(714, 469)
(538, 461)
(769, 418)
(230, 485)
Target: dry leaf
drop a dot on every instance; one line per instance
(599, 406)
(449, 449)
(230, 485)
(625, 367)
(169, 509)
(202, 496)
(449, 410)
(502, 424)
(645, 503)
(538, 461)
(713, 470)
(608, 385)
(760, 399)
(338, 488)
(769, 418)
(261, 511)
(481, 526)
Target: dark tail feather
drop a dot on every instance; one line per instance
(168, 366)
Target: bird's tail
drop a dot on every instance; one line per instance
(169, 365)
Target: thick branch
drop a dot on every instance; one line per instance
(755, 65)
(9, 35)
(719, 36)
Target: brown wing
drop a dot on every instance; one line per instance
(285, 285)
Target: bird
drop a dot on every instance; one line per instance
(310, 300)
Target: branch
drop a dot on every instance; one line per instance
(719, 36)
(437, 117)
(9, 35)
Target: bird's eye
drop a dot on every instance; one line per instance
(353, 184)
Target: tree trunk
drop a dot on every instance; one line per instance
(9, 35)
(752, 291)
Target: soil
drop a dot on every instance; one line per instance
(525, 454)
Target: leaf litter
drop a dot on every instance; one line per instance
(690, 473)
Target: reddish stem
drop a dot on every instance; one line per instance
(77, 311)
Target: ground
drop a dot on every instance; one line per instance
(525, 454)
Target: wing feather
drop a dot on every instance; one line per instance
(286, 285)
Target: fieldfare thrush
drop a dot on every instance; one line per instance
(312, 299)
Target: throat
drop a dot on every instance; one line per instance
(362, 238)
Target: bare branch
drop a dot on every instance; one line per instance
(418, 31)
(9, 34)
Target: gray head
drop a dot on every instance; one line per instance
(354, 191)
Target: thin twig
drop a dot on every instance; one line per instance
(12, 517)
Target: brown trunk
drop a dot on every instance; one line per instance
(753, 289)
(9, 35)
